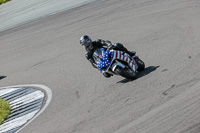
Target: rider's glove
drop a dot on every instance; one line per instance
(110, 47)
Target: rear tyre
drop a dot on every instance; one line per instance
(126, 73)
(140, 64)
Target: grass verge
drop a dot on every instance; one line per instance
(5, 110)
(3, 1)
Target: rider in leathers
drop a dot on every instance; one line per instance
(91, 46)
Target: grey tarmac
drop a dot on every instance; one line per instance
(163, 99)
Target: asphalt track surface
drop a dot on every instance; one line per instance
(163, 99)
(18, 12)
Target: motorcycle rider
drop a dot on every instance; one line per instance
(91, 46)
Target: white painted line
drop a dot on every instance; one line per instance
(28, 118)
(4, 91)
(27, 99)
(17, 122)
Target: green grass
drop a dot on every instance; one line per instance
(3, 1)
(5, 110)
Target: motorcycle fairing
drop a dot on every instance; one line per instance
(105, 61)
(120, 55)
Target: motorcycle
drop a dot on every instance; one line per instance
(118, 63)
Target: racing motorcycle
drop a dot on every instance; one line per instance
(118, 63)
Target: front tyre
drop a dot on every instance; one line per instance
(126, 73)
(140, 64)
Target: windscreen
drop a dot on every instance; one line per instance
(97, 55)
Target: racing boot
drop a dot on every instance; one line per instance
(131, 53)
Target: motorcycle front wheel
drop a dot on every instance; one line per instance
(126, 73)
(140, 64)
